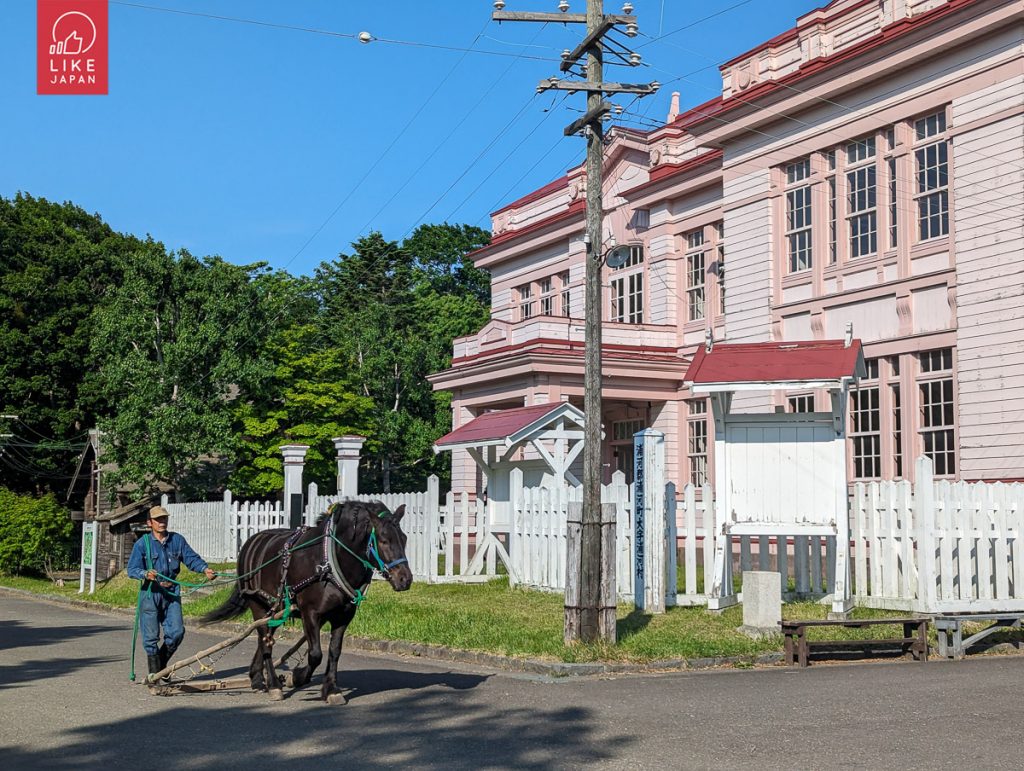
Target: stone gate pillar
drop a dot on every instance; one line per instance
(294, 462)
(348, 448)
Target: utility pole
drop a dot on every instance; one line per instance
(590, 600)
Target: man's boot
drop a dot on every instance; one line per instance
(153, 660)
(165, 657)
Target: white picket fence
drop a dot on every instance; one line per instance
(217, 529)
(939, 546)
(929, 547)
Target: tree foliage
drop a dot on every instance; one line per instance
(56, 265)
(394, 311)
(178, 342)
(311, 399)
(197, 370)
(35, 533)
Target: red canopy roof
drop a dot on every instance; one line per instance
(493, 427)
(813, 361)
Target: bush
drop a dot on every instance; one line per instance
(35, 533)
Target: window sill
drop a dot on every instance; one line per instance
(932, 246)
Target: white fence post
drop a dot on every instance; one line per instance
(924, 505)
(671, 546)
(649, 520)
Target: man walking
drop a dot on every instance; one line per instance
(160, 553)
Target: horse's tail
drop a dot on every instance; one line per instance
(233, 606)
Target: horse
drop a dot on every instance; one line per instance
(322, 572)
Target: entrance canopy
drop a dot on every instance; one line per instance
(830, 364)
(779, 473)
(554, 430)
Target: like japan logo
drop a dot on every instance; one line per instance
(71, 47)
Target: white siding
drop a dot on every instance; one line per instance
(988, 182)
(748, 229)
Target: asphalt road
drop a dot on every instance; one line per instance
(66, 703)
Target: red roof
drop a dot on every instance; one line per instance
(496, 425)
(775, 362)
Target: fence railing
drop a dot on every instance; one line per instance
(939, 546)
(927, 547)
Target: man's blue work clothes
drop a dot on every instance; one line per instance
(161, 606)
(166, 560)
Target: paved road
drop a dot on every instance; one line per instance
(66, 703)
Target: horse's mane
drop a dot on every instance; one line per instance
(337, 510)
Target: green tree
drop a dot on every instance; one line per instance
(179, 341)
(310, 400)
(35, 533)
(394, 311)
(56, 265)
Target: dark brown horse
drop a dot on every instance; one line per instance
(322, 573)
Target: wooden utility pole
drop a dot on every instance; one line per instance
(590, 581)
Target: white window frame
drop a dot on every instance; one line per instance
(799, 216)
(861, 174)
(931, 138)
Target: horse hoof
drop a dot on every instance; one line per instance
(276, 694)
(335, 698)
(287, 679)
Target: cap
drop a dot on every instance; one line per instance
(158, 512)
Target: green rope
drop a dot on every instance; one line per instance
(285, 612)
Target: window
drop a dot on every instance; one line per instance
(547, 298)
(866, 433)
(861, 198)
(720, 269)
(803, 403)
(832, 218)
(564, 304)
(623, 430)
(525, 301)
(697, 443)
(636, 257)
(798, 215)
(932, 161)
(893, 213)
(627, 305)
(695, 272)
(938, 409)
(628, 299)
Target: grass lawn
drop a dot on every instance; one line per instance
(495, 618)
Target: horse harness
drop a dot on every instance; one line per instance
(326, 571)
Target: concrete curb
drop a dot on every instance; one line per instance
(457, 655)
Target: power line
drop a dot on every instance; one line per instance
(326, 32)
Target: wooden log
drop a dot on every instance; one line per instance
(196, 659)
(198, 686)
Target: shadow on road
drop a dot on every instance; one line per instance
(422, 724)
(28, 672)
(19, 634)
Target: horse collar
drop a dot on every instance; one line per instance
(332, 572)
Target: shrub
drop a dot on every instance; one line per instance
(35, 533)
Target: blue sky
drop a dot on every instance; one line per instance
(261, 143)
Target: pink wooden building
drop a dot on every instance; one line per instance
(866, 166)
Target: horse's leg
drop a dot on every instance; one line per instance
(267, 649)
(256, 680)
(329, 691)
(311, 624)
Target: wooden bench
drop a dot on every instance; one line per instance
(952, 644)
(913, 641)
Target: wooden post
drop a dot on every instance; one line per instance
(924, 513)
(609, 595)
(433, 514)
(573, 610)
(671, 540)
